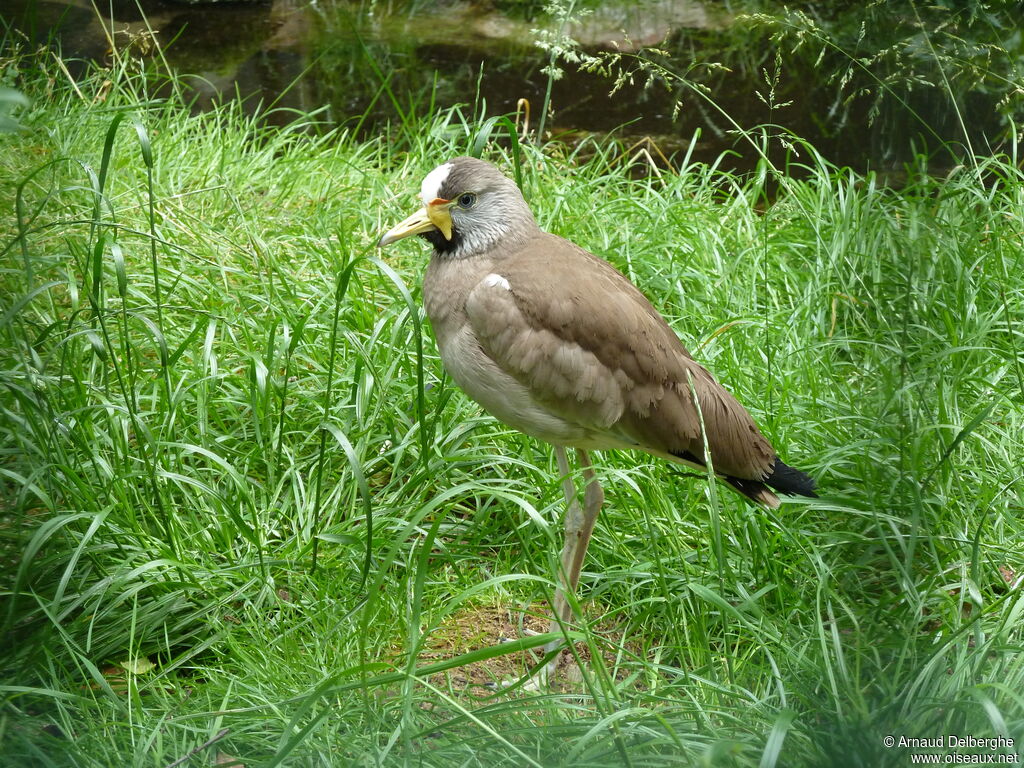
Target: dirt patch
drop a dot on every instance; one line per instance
(488, 625)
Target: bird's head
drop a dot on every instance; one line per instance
(469, 207)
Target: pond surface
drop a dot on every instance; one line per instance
(367, 63)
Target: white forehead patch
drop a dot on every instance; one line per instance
(432, 183)
(494, 280)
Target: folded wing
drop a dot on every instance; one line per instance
(590, 347)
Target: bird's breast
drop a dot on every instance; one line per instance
(500, 394)
(446, 287)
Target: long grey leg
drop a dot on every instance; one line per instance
(593, 499)
(579, 525)
(573, 523)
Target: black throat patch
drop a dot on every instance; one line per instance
(441, 245)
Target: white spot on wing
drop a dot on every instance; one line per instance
(432, 183)
(494, 280)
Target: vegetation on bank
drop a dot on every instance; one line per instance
(243, 506)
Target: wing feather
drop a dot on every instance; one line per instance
(591, 348)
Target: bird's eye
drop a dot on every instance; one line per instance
(466, 200)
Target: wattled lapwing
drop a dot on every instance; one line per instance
(558, 344)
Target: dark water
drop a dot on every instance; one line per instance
(367, 63)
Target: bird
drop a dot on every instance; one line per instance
(558, 344)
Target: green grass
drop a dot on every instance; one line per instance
(214, 393)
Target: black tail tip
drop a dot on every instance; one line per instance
(786, 479)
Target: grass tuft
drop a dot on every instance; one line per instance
(229, 451)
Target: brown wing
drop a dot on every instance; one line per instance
(591, 347)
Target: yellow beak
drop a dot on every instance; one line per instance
(434, 215)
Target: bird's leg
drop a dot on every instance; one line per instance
(573, 521)
(579, 525)
(572, 513)
(593, 499)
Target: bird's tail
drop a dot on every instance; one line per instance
(783, 478)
